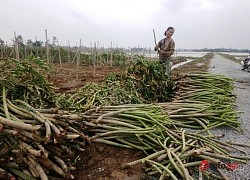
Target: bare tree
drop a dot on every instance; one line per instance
(29, 43)
(20, 40)
(38, 43)
(1, 42)
(54, 41)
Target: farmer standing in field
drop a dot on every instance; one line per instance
(165, 48)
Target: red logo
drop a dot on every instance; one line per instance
(204, 165)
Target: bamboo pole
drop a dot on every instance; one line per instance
(16, 47)
(91, 52)
(95, 53)
(150, 52)
(78, 59)
(111, 55)
(12, 53)
(47, 46)
(94, 60)
(37, 54)
(25, 50)
(2, 50)
(131, 54)
(59, 54)
(68, 51)
(76, 53)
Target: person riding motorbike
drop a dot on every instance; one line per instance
(246, 63)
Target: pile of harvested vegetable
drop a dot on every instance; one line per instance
(142, 82)
(175, 136)
(130, 110)
(25, 80)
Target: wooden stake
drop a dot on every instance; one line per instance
(131, 54)
(16, 47)
(25, 50)
(75, 54)
(111, 55)
(94, 60)
(78, 59)
(96, 52)
(37, 54)
(47, 46)
(150, 52)
(2, 50)
(68, 51)
(59, 51)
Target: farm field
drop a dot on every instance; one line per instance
(115, 90)
(105, 119)
(101, 161)
(65, 79)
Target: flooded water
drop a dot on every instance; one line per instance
(190, 54)
(183, 54)
(235, 54)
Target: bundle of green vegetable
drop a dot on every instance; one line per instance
(149, 79)
(143, 82)
(24, 80)
(34, 143)
(170, 151)
(203, 101)
(139, 126)
(92, 94)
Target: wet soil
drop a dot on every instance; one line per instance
(103, 162)
(65, 77)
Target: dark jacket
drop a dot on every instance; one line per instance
(165, 48)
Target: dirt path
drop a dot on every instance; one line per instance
(221, 65)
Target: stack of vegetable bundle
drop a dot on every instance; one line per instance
(169, 150)
(150, 80)
(34, 143)
(24, 80)
(203, 101)
(139, 126)
(142, 82)
(92, 94)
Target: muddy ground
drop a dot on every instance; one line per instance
(65, 78)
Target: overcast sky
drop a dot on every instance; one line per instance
(129, 23)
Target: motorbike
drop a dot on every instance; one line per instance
(246, 64)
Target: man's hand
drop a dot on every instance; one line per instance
(157, 49)
(160, 51)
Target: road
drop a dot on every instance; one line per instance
(231, 69)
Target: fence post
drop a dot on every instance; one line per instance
(94, 60)
(47, 46)
(78, 59)
(111, 55)
(16, 47)
(68, 51)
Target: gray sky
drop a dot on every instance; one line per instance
(129, 23)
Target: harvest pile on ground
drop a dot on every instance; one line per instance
(142, 82)
(43, 133)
